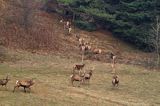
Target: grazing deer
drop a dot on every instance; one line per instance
(76, 77)
(24, 83)
(4, 82)
(115, 80)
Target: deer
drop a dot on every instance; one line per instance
(67, 24)
(115, 80)
(97, 51)
(69, 30)
(88, 47)
(87, 76)
(85, 46)
(4, 82)
(78, 67)
(61, 21)
(24, 83)
(81, 42)
(113, 57)
(76, 77)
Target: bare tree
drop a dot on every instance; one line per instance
(155, 39)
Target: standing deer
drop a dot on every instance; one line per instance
(69, 30)
(24, 83)
(76, 77)
(87, 76)
(115, 80)
(4, 82)
(78, 67)
(113, 57)
(97, 51)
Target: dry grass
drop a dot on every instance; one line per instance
(138, 86)
(43, 32)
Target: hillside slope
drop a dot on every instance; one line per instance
(24, 25)
(52, 55)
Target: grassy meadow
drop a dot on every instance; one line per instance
(138, 86)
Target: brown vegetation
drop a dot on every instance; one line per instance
(40, 31)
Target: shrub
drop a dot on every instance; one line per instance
(85, 25)
(3, 54)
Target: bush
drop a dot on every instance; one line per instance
(85, 25)
(3, 54)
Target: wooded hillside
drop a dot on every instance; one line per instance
(129, 20)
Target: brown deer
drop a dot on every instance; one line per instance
(115, 80)
(86, 47)
(113, 57)
(97, 51)
(76, 77)
(4, 82)
(78, 66)
(67, 24)
(87, 76)
(24, 83)
(69, 30)
(81, 42)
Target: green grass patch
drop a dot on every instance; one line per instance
(138, 86)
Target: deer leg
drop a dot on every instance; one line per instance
(79, 83)
(79, 72)
(72, 82)
(29, 89)
(88, 81)
(14, 88)
(117, 85)
(6, 86)
(25, 89)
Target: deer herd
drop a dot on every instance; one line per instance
(81, 76)
(78, 73)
